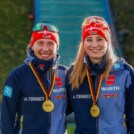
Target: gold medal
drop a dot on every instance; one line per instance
(48, 106)
(95, 111)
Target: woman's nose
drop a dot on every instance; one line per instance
(94, 43)
(45, 47)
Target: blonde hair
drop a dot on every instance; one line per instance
(79, 68)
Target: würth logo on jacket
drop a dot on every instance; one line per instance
(58, 81)
(110, 80)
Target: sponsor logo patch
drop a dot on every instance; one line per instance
(93, 32)
(36, 99)
(117, 66)
(58, 81)
(8, 91)
(110, 80)
(112, 88)
(110, 95)
(60, 97)
(59, 90)
(82, 96)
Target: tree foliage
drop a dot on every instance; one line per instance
(123, 13)
(15, 28)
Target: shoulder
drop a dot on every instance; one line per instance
(62, 67)
(71, 68)
(121, 64)
(69, 71)
(126, 66)
(18, 70)
(129, 68)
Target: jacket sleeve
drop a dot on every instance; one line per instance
(68, 88)
(69, 109)
(10, 103)
(130, 101)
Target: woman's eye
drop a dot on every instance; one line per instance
(50, 43)
(99, 39)
(88, 39)
(40, 43)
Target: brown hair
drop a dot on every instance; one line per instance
(79, 68)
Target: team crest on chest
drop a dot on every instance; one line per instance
(110, 80)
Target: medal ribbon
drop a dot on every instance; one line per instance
(93, 94)
(41, 83)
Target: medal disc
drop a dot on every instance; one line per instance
(95, 111)
(48, 106)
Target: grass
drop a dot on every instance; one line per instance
(70, 128)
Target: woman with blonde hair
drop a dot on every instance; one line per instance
(100, 85)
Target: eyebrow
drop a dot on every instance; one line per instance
(98, 37)
(39, 41)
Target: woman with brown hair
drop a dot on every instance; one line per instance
(34, 95)
(100, 85)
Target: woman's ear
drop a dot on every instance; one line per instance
(31, 51)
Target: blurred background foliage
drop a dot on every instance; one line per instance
(123, 16)
(15, 30)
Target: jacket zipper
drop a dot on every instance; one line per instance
(49, 124)
(97, 120)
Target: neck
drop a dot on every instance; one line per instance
(98, 66)
(96, 61)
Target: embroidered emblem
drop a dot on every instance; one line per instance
(8, 91)
(110, 95)
(117, 66)
(58, 81)
(60, 97)
(110, 80)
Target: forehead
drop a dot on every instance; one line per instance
(94, 36)
(44, 40)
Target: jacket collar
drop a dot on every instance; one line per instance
(52, 63)
(95, 68)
